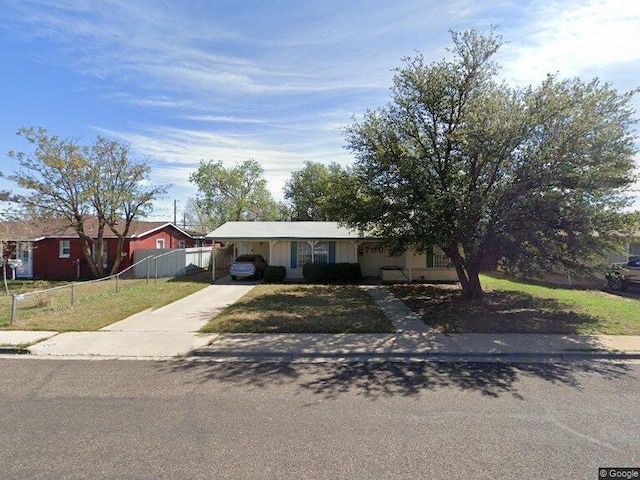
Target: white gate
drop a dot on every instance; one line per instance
(171, 262)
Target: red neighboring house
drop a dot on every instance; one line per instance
(52, 249)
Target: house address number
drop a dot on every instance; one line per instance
(372, 250)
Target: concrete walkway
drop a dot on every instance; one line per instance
(171, 331)
(403, 318)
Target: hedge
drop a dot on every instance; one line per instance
(273, 274)
(331, 272)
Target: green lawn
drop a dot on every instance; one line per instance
(302, 309)
(96, 304)
(517, 307)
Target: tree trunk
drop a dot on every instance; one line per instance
(86, 250)
(122, 235)
(474, 290)
(118, 259)
(98, 246)
(468, 274)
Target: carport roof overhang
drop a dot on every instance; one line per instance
(265, 231)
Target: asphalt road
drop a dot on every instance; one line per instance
(138, 420)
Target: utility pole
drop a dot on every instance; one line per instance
(175, 212)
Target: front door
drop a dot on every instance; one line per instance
(25, 253)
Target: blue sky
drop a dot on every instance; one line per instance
(272, 80)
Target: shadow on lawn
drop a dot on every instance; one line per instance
(200, 276)
(373, 380)
(504, 311)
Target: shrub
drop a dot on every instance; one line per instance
(331, 272)
(273, 274)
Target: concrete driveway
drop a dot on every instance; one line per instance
(166, 332)
(241, 281)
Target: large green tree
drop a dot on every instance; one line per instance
(237, 193)
(72, 181)
(311, 191)
(532, 178)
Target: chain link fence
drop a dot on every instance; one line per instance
(146, 270)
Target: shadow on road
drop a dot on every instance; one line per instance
(374, 380)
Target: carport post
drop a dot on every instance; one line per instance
(271, 242)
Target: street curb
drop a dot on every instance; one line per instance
(14, 351)
(435, 356)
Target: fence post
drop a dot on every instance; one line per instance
(117, 284)
(156, 278)
(13, 307)
(73, 295)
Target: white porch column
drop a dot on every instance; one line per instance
(356, 244)
(313, 245)
(271, 244)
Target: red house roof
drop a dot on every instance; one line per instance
(34, 230)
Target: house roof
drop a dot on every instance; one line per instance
(284, 231)
(34, 230)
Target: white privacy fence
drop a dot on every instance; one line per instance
(170, 263)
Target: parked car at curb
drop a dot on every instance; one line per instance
(246, 266)
(620, 275)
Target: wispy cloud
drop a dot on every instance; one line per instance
(180, 150)
(222, 119)
(275, 81)
(574, 38)
(163, 47)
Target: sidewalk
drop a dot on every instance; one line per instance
(171, 332)
(418, 346)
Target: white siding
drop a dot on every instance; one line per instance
(372, 256)
(345, 252)
(281, 251)
(282, 257)
(416, 260)
(244, 248)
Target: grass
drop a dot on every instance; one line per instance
(518, 307)
(302, 309)
(96, 304)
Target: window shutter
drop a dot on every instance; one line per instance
(332, 252)
(430, 257)
(294, 254)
